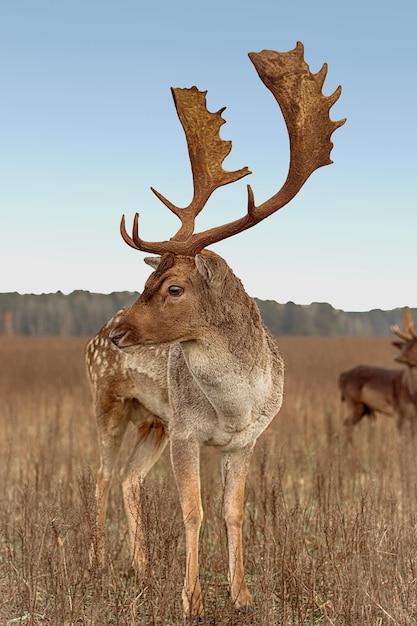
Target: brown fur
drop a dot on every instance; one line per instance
(195, 369)
(369, 390)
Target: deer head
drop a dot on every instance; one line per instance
(408, 343)
(185, 263)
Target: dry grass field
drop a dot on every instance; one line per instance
(330, 532)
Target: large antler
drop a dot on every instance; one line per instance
(306, 114)
(408, 332)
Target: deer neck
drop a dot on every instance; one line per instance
(227, 346)
(234, 331)
(231, 363)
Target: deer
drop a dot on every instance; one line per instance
(369, 390)
(191, 362)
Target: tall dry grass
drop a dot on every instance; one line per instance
(330, 532)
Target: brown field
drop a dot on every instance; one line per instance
(330, 532)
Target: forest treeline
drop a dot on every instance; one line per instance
(82, 313)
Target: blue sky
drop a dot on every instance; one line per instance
(88, 125)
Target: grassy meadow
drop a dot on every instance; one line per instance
(330, 531)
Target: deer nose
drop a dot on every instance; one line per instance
(116, 336)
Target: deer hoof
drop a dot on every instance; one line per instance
(245, 611)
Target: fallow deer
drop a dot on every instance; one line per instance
(191, 361)
(369, 390)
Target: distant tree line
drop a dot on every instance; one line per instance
(82, 313)
(321, 319)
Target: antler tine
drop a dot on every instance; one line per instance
(124, 234)
(207, 152)
(394, 328)
(409, 325)
(306, 113)
(137, 243)
(408, 332)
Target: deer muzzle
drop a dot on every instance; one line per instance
(125, 335)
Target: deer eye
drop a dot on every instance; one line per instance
(175, 290)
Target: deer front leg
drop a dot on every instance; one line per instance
(234, 471)
(357, 410)
(185, 457)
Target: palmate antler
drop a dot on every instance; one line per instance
(306, 114)
(409, 327)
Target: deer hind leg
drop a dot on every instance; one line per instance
(151, 439)
(111, 427)
(234, 471)
(185, 457)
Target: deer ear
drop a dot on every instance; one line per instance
(153, 261)
(213, 269)
(398, 344)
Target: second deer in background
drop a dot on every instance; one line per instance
(369, 390)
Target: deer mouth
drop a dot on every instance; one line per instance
(127, 339)
(123, 338)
